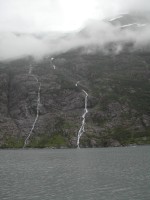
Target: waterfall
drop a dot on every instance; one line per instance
(37, 109)
(77, 83)
(82, 130)
(53, 63)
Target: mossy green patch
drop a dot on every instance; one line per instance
(56, 141)
(12, 142)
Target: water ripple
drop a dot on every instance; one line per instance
(88, 174)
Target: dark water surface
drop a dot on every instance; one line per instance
(78, 174)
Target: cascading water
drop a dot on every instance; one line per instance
(53, 63)
(82, 130)
(77, 83)
(37, 109)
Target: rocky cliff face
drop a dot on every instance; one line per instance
(118, 100)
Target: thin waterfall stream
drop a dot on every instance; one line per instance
(82, 128)
(37, 108)
(54, 67)
(77, 83)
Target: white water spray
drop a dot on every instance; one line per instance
(77, 83)
(53, 63)
(82, 130)
(37, 111)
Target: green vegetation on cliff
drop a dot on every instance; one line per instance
(118, 101)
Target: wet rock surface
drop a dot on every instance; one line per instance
(118, 100)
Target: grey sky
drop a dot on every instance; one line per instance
(62, 15)
(37, 16)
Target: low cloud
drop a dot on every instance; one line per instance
(20, 18)
(14, 46)
(96, 33)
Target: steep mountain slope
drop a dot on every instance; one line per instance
(118, 100)
(85, 97)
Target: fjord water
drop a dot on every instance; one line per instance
(75, 174)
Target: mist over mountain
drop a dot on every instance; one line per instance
(120, 30)
(85, 84)
(87, 89)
